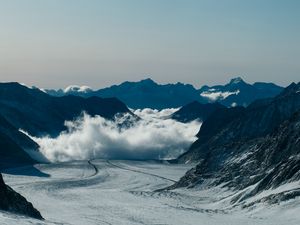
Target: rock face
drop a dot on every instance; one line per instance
(195, 110)
(258, 145)
(13, 202)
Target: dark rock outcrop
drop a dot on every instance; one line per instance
(13, 202)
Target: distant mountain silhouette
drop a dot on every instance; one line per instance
(148, 94)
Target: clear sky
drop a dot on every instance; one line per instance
(54, 43)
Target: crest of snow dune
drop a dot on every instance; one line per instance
(76, 88)
(155, 136)
(218, 95)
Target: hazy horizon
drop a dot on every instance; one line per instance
(53, 44)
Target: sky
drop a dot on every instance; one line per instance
(55, 43)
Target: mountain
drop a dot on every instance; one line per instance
(38, 113)
(240, 124)
(144, 94)
(12, 154)
(195, 110)
(239, 93)
(70, 90)
(13, 202)
(15, 146)
(149, 94)
(249, 149)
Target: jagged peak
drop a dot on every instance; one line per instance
(148, 81)
(236, 80)
(291, 89)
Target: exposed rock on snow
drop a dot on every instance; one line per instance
(13, 202)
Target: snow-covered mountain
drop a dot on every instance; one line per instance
(250, 150)
(238, 92)
(70, 90)
(243, 157)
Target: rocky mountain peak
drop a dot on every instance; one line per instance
(236, 80)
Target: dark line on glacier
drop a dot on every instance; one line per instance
(94, 166)
(137, 171)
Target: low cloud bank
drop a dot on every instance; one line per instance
(153, 137)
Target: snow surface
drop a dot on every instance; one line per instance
(123, 192)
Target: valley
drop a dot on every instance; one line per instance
(125, 192)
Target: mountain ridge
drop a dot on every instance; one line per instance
(252, 162)
(147, 93)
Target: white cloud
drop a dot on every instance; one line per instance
(153, 137)
(75, 88)
(218, 95)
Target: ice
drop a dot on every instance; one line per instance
(123, 192)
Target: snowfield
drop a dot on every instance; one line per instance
(124, 192)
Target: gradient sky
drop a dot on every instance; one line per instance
(54, 43)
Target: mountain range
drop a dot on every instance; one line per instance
(248, 141)
(39, 114)
(250, 149)
(149, 94)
